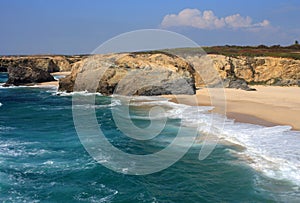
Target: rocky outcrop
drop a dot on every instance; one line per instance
(47, 63)
(34, 69)
(159, 71)
(131, 74)
(43, 63)
(259, 70)
(67, 84)
(27, 75)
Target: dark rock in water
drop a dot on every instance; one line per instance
(3, 69)
(27, 75)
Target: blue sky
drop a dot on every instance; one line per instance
(79, 26)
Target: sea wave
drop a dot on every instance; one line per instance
(52, 87)
(80, 93)
(113, 103)
(274, 151)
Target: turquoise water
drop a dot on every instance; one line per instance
(42, 160)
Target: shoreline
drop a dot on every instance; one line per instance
(268, 106)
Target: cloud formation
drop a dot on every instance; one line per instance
(208, 20)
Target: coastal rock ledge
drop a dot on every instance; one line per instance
(138, 73)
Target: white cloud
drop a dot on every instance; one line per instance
(208, 20)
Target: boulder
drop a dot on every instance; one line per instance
(237, 83)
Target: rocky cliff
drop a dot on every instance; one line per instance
(131, 74)
(27, 75)
(235, 72)
(31, 69)
(158, 70)
(259, 70)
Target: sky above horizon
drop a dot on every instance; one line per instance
(78, 26)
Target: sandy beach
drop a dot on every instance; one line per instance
(268, 106)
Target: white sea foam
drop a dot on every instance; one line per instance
(54, 87)
(57, 77)
(81, 93)
(17, 149)
(274, 151)
(114, 102)
(29, 86)
(9, 87)
(6, 128)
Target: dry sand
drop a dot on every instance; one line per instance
(267, 106)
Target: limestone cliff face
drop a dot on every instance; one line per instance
(131, 74)
(259, 70)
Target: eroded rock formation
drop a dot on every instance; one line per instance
(259, 70)
(32, 69)
(131, 74)
(47, 63)
(152, 73)
(27, 75)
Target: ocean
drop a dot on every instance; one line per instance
(42, 159)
